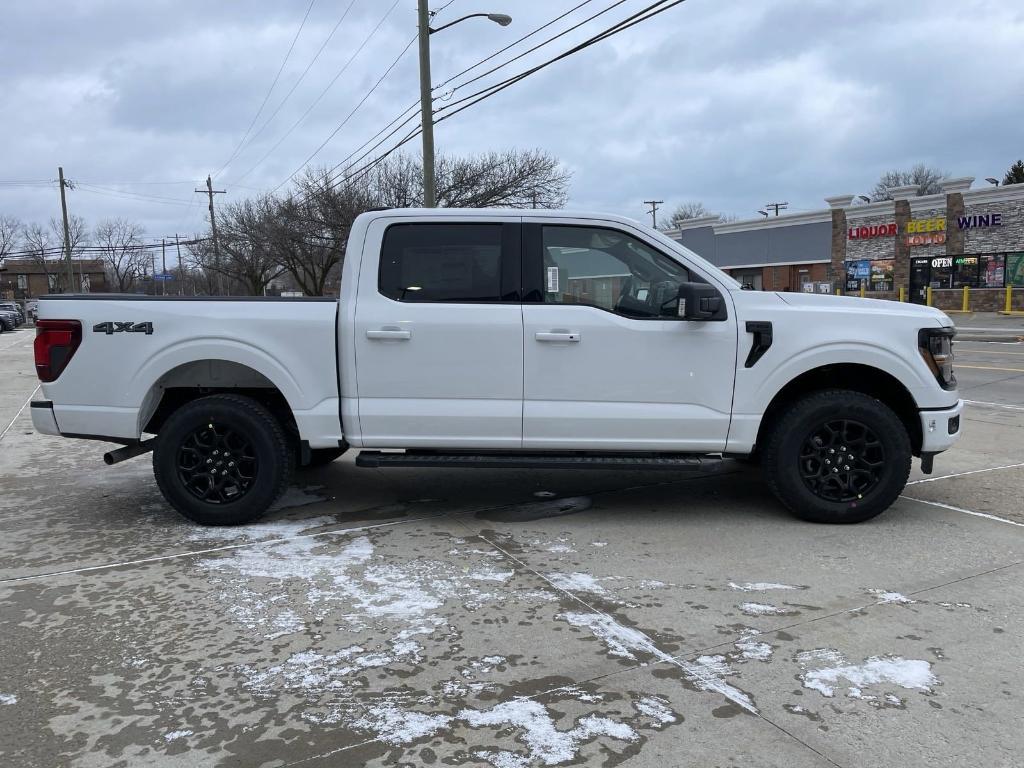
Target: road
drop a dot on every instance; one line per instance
(511, 618)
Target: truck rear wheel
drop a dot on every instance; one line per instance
(838, 456)
(222, 460)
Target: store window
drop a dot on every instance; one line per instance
(1015, 269)
(991, 269)
(965, 272)
(872, 274)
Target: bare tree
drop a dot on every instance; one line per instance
(10, 235)
(246, 239)
(43, 251)
(314, 224)
(692, 209)
(927, 181)
(120, 247)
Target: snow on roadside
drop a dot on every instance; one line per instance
(7, 699)
(884, 596)
(762, 609)
(760, 586)
(911, 674)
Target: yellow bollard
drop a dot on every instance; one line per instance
(967, 300)
(1009, 298)
(862, 289)
(928, 302)
(902, 296)
(837, 292)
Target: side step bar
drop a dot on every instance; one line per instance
(670, 461)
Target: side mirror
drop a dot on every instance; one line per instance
(700, 301)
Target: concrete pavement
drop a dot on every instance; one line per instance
(404, 617)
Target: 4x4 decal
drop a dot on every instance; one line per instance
(129, 327)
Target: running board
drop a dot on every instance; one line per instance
(670, 461)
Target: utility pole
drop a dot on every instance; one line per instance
(777, 207)
(163, 266)
(177, 246)
(426, 106)
(210, 191)
(654, 211)
(67, 235)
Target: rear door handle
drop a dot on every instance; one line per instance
(557, 336)
(393, 334)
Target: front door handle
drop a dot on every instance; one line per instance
(557, 336)
(393, 334)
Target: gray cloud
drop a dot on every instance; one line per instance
(732, 103)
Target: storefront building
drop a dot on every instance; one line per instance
(894, 249)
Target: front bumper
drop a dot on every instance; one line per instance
(940, 429)
(42, 417)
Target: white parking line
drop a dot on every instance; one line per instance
(995, 405)
(961, 474)
(965, 511)
(24, 405)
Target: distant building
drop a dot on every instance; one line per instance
(956, 238)
(28, 278)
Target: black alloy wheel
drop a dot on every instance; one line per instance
(836, 456)
(842, 460)
(217, 464)
(222, 460)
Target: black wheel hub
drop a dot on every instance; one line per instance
(217, 464)
(842, 460)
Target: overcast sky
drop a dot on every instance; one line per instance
(733, 102)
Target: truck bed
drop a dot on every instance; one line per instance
(134, 348)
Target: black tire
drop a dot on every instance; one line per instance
(204, 432)
(321, 457)
(817, 481)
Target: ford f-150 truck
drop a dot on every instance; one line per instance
(500, 338)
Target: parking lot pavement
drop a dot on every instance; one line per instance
(405, 617)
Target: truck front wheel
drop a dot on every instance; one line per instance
(222, 460)
(837, 456)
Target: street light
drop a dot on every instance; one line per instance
(990, 180)
(764, 213)
(865, 198)
(426, 101)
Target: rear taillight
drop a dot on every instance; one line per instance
(56, 342)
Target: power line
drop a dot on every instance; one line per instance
(513, 45)
(485, 93)
(270, 90)
(302, 77)
(141, 196)
(350, 114)
(323, 93)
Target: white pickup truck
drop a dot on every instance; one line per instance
(498, 338)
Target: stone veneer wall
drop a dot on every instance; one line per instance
(994, 239)
(874, 248)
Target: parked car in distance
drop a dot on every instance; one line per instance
(10, 319)
(13, 306)
(501, 338)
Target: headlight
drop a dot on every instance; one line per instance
(936, 347)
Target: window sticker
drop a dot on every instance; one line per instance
(552, 279)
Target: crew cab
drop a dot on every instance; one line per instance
(502, 338)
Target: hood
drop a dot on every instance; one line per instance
(820, 301)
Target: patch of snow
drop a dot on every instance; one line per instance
(7, 699)
(488, 573)
(885, 596)
(175, 735)
(599, 543)
(761, 609)
(759, 586)
(547, 745)
(287, 622)
(561, 548)
(503, 759)
(272, 529)
(820, 656)
(656, 709)
(895, 670)
(397, 726)
(751, 649)
(578, 582)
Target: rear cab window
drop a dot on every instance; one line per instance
(447, 262)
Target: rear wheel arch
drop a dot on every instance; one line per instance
(854, 377)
